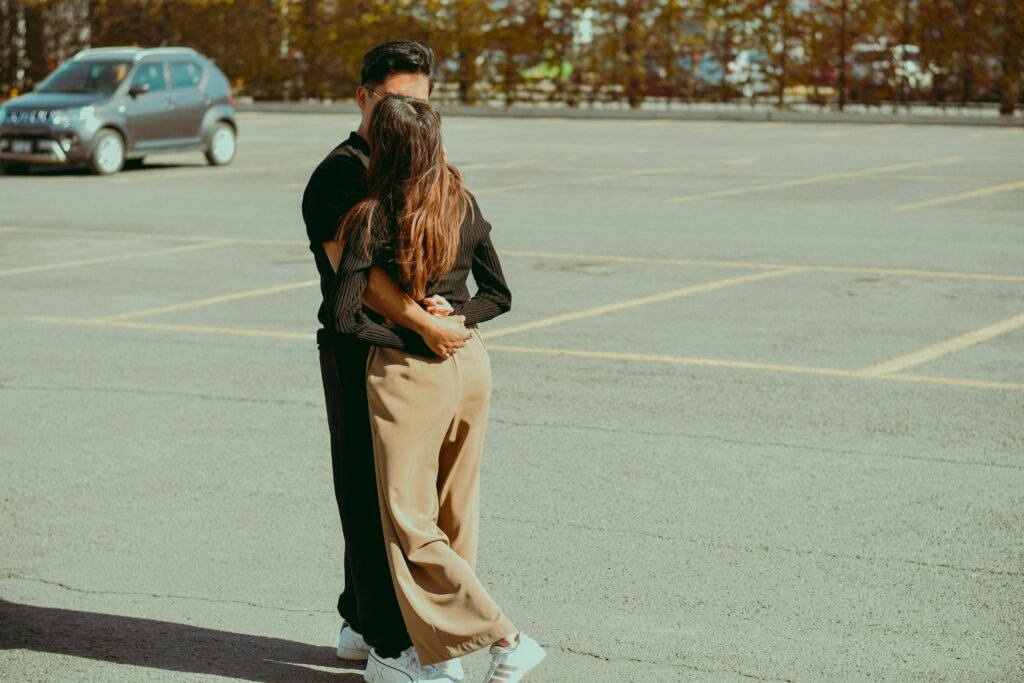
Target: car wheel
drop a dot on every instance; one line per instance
(14, 169)
(221, 148)
(107, 153)
(134, 164)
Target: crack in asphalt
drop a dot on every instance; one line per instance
(157, 392)
(21, 577)
(75, 589)
(515, 423)
(748, 442)
(761, 547)
(675, 665)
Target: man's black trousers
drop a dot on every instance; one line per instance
(368, 601)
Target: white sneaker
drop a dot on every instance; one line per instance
(452, 668)
(512, 663)
(405, 668)
(351, 645)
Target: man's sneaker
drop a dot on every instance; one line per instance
(405, 668)
(512, 663)
(351, 645)
(452, 668)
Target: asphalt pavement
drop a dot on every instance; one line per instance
(758, 408)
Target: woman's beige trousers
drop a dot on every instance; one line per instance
(429, 417)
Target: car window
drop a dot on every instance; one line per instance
(151, 74)
(185, 74)
(87, 76)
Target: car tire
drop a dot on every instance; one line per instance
(134, 164)
(220, 150)
(107, 156)
(14, 169)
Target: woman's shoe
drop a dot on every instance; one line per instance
(511, 663)
(405, 668)
(351, 645)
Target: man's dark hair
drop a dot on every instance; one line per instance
(397, 57)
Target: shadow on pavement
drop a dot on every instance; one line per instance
(166, 645)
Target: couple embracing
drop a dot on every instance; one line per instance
(407, 383)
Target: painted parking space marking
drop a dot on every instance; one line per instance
(813, 180)
(639, 301)
(109, 259)
(944, 348)
(542, 351)
(963, 196)
(210, 301)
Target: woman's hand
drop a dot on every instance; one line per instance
(446, 334)
(438, 305)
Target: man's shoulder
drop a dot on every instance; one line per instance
(342, 160)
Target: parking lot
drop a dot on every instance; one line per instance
(758, 407)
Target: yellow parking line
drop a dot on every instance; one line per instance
(3, 230)
(578, 180)
(209, 301)
(841, 133)
(812, 180)
(911, 272)
(631, 303)
(745, 365)
(907, 272)
(573, 353)
(973, 194)
(107, 259)
(612, 258)
(566, 256)
(955, 381)
(668, 360)
(944, 348)
(498, 165)
(159, 237)
(195, 329)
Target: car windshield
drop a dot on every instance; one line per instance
(87, 77)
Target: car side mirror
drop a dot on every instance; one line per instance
(137, 90)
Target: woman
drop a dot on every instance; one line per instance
(428, 414)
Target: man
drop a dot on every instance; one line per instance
(372, 627)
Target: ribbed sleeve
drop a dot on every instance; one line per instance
(492, 296)
(345, 301)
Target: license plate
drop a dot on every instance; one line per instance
(22, 147)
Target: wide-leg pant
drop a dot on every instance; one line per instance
(368, 600)
(429, 418)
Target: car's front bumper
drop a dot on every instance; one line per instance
(54, 148)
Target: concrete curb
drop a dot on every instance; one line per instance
(646, 114)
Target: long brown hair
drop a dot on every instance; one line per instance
(410, 183)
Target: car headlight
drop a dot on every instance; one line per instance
(62, 118)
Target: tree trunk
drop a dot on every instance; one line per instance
(842, 56)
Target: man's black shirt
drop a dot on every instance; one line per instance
(337, 184)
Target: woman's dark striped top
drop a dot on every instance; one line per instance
(476, 255)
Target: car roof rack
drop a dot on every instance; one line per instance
(133, 51)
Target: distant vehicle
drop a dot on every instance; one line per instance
(750, 73)
(878, 69)
(110, 107)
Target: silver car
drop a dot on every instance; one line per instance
(110, 107)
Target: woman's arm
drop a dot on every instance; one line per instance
(444, 335)
(492, 296)
(345, 300)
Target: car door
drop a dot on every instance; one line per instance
(190, 102)
(150, 114)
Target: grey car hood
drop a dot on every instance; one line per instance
(55, 100)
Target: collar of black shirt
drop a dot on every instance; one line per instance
(356, 140)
